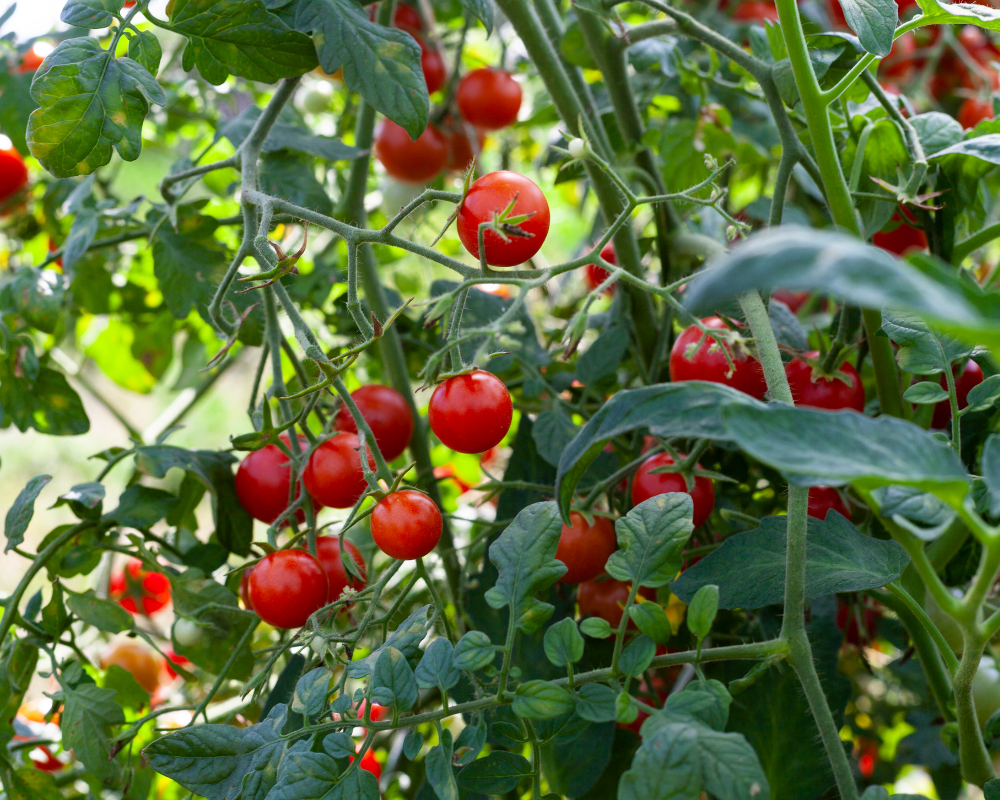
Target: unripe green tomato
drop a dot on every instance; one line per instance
(187, 633)
(986, 689)
(316, 101)
(946, 624)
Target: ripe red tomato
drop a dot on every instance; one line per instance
(13, 174)
(333, 475)
(902, 239)
(971, 375)
(245, 588)
(337, 579)
(606, 599)
(756, 11)
(490, 195)
(33, 57)
(585, 549)
(460, 151)
(708, 362)
(136, 659)
(41, 758)
(407, 160)
(406, 524)
(433, 67)
(821, 391)
(286, 586)
(794, 300)
(648, 484)
(370, 763)
(847, 621)
(595, 275)
(387, 414)
(172, 659)
(973, 111)
(379, 713)
(471, 413)
(824, 499)
(489, 98)
(263, 482)
(134, 586)
(406, 18)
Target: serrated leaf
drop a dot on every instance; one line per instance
(497, 773)
(666, 767)
(20, 514)
(481, 10)
(304, 775)
(88, 102)
(542, 700)
(563, 643)
(437, 667)
(88, 714)
(651, 538)
(105, 615)
(392, 681)
(637, 656)
(524, 555)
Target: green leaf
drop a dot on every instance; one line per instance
(702, 610)
(90, 13)
(469, 744)
(84, 499)
(412, 744)
(651, 538)
(874, 21)
(440, 775)
(707, 702)
(241, 38)
(187, 263)
(16, 107)
(601, 359)
(563, 643)
(105, 615)
(990, 467)
(524, 555)
(650, 618)
(937, 131)
(637, 656)
(572, 766)
(749, 568)
(89, 102)
(128, 692)
(552, 431)
(291, 177)
(406, 638)
(597, 627)
(381, 64)
(304, 775)
(497, 773)
(30, 783)
(88, 714)
(984, 148)
(20, 514)
(392, 682)
(311, 691)
(666, 767)
(542, 700)
(689, 409)
(437, 667)
(813, 447)
(925, 393)
(222, 762)
(339, 745)
(474, 651)
(55, 619)
(984, 395)
(145, 48)
(285, 136)
(141, 507)
(481, 10)
(18, 660)
(991, 791)
(626, 711)
(922, 351)
(595, 702)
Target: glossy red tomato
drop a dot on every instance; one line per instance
(406, 524)
(286, 587)
(13, 174)
(370, 763)
(824, 499)
(407, 160)
(971, 375)
(460, 151)
(973, 111)
(606, 599)
(901, 239)
(756, 11)
(471, 413)
(264, 479)
(133, 587)
(585, 549)
(379, 713)
(333, 475)
(647, 483)
(387, 414)
(708, 362)
(821, 391)
(490, 195)
(172, 660)
(489, 98)
(337, 579)
(595, 275)
(433, 68)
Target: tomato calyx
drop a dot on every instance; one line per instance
(283, 265)
(686, 466)
(729, 340)
(832, 373)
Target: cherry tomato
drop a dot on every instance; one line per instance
(245, 588)
(460, 151)
(433, 67)
(606, 599)
(186, 632)
(794, 300)
(901, 239)
(847, 621)
(902, 63)
(172, 660)
(328, 553)
(490, 195)
(286, 587)
(973, 111)
(406, 18)
(971, 375)
(867, 759)
(379, 713)
(333, 475)
(986, 689)
(133, 586)
(824, 499)
(584, 549)
(407, 160)
(756, 11)
(263, 482)
(471, 413)
(13, 174)
(708, 362)
(595, 275)
(822, 391)
(136, 659)
(41, 758)
(406, 524)
(370, 763)
(33, 57)
(648, 484)
(489, 98)
(387, 414)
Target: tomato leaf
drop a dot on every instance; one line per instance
(89, 712)
(637, 656)
(18, 660)
(437, 666)
(874, 21)
(595, 702)
(392, 681)
(304, 775)
(650, 618)
(749, 568)
(651, 538)
(440, 774)
(937, 131)
(922, 351)
(105, 615)
(90, 13)
(406, 639)
(481, 10)
(563, 643)
(311, 691)
(497, 773)
(542, 700)
(20, 514)
(141, 507)
(474, 651)
(85, 500)
(285, 136)
(665, 765)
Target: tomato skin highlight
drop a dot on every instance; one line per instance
(824, 499)
(708, 362)
(471, 413)
(585, 549)
(489, 98)
(606, 599)
(333, 476)
(971, 375)
(648, 484)
(387, 414)
(134, 586)
(337, 579)
(824, 392)
(902, 239)
(264, 480)
(595, 275)
(491, 194)
(13, 174)
(135, 659)
(406, 524)
(433, 68)
(407, 160)
(286, 587)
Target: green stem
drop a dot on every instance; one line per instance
(622, 626)
(966, 247)
(917, 611)
(973, 757)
